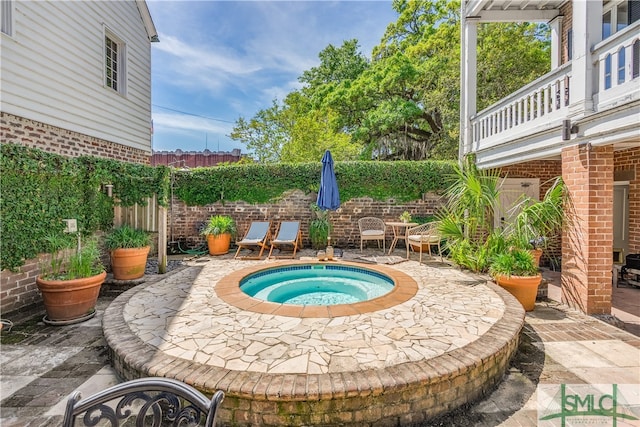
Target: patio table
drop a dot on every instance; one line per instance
(400, 232)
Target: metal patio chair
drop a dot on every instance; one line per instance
(144, 401)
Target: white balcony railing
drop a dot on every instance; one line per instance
(544, 99)
(617, 62)
(544, 102)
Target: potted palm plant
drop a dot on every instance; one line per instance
(515, 270)
(466, 221)
(129, 248)
(319, 228)
(219, 230)
(70, 282)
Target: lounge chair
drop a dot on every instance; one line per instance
(372, 228)
(256, 238)
(288, 234)
(422, 237)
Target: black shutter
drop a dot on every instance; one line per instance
(634, 11)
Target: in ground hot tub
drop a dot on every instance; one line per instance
(316, 284)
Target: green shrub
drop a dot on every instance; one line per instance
(514, 262)
(319, 228)
(219, 224)
(126, 237)
(67, 265)
(259, 183)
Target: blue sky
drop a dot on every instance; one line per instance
(225, 59)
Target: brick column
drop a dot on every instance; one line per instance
(588, 242)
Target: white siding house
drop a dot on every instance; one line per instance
(80, 70)
(581, 121)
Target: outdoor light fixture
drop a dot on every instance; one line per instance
(108, 189)
(568, 129)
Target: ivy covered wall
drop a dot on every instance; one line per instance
(39, 189)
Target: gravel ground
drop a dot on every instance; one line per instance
(152, 265)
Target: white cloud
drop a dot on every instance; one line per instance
(205, 57)
(232, 58)
(183, 122)
(280, 92)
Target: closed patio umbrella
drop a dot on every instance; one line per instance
(328, 196)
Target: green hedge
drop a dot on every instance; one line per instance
(403, 181)
(39, 189)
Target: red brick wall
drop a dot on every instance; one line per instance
(629, 160)
(194, 159)
(19, 290)
(18, 130)
(567, 23)
(296, 206)
(587, 244)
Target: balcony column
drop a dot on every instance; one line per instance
(468, 80)
(587, 31)
(556, 41)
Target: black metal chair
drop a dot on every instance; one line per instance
(144, 402)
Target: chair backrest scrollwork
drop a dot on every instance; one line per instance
(144, 401)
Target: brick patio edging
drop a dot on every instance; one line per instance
(404, 394)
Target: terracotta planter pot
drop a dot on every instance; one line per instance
(129, 263)
(524, 288)
(218, 245)
(67, 300)
(537, 253)
(416, 248)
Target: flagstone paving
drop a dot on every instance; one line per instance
(183, 317)
(44, 364)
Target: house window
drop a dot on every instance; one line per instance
(606, 25)
(569, 45)
(114, 63)
(622, 16)
(635, 59)
(607, 72)
(615, 16)
(6, 26)
(621, 64)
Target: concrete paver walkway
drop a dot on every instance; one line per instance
(558, 346)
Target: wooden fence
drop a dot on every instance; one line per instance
(138, 216)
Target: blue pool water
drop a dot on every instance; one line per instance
(313, 284)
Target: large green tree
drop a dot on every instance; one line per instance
(404, 103)
(301, 128)
(264, 135)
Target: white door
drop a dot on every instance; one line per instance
(621, 218)
(511, 192)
